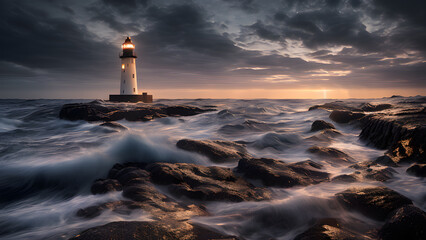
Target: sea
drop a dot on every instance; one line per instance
(47, 164)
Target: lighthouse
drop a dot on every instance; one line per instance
(129, 81)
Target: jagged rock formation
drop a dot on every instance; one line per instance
(277, 173)
(215, 150)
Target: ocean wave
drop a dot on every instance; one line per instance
(67, 178)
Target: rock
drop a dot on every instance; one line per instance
(385, 160)
(215, 150)
(150, 231)
(321, 125)
(205, 183)
(418, 170)
(374, 202)
(325, 136)
(114, 125)
(277, 173)
(332, 229)
(367, 107)
(337, 105)
(122, 207)
(381, 175)
(344, 178)
(352, 106)
(331, 155)
(101, 186)
(408, 222)
(99, 111)
(371, 171)
(131, 175)
(345, 116)
(403, 136)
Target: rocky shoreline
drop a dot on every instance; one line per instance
(173, 193)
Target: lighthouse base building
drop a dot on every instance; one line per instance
(144, 97)
(129, 82)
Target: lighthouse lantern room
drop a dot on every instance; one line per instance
(129, 81)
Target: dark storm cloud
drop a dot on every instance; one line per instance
(31, 38)
(223, 42)
(320, 28)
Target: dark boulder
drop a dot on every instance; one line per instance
(345, 116)
(131, 175)
(144, 193)
(150, 231)
(122, 207)
(385, 160)
(331, 155)
(374, 202)
(337, 105)
(344, 178)
(418, 170)
(325, 136)
(101, 186)
(277, 173)
(367, 107)
(321, 125)
(215, 150)
(205, 183)
(403, 136)
(333, 229)
(371, 171)
(381, 175)
(408, 222)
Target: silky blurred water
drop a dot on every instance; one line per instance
(47, 165)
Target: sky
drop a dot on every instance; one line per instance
(214, 48)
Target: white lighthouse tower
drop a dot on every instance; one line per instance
(129, 81)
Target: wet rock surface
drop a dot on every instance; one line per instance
(101, 111)
(418, 170)
(101, 186)
(205, 183)
(335, 229)
(375, 202)
(277, 173)
(344, 178)
(331, 155)
(352, 106)
(150, 231)
(342, 116)
(215, 150)
(321, 125)
(407, 222)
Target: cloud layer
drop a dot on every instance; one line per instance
(50, 48)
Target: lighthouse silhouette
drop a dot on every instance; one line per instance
(129, 81)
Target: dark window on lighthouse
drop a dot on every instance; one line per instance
(124, 81)
(134, 90)
(133, 75)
